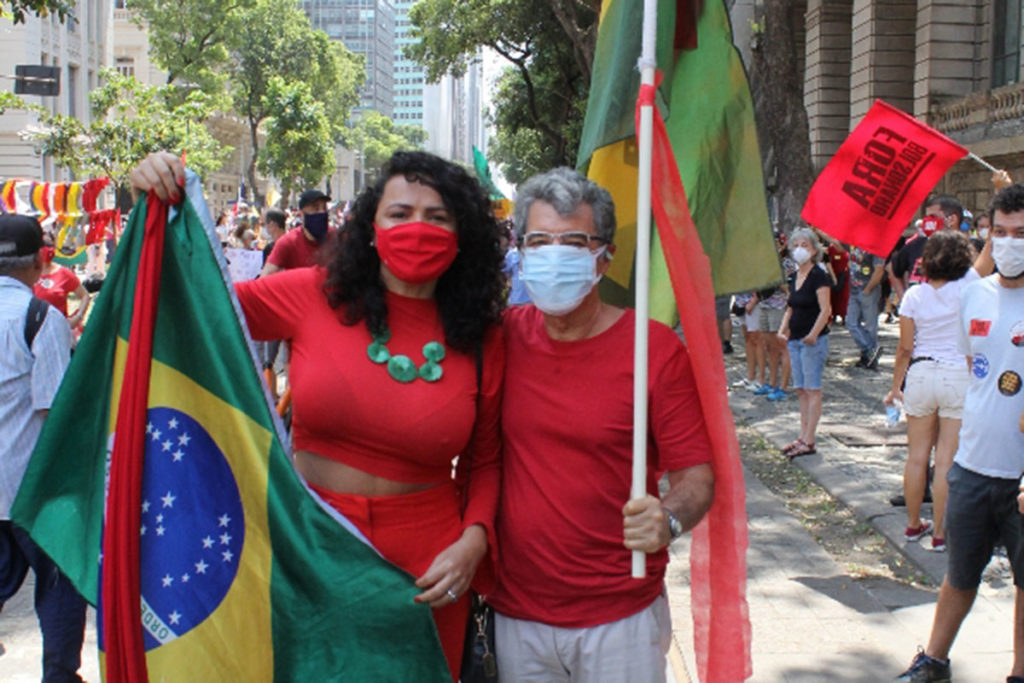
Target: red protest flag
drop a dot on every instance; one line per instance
(874, 184)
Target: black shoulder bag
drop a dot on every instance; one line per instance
(479, 664)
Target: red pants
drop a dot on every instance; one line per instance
(410, 530)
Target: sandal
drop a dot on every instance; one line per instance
(802, 449)
(792, 446)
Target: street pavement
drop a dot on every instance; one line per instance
(810, 620)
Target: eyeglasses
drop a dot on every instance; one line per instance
(580, 240)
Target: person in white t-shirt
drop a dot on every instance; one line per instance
(930, 363)
(981, 508)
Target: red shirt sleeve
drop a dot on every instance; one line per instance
(275, 305)
(676, 418)
(484, 457)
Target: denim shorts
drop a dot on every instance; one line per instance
(807, 362)
(980, 512)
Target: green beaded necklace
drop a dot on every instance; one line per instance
(400, 367)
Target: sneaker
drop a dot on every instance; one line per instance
(726, 347)
(777, 395)
(938, 545)
(764, 390)
(872, 363)
(741, 384)
(915, 533)
(925, 669)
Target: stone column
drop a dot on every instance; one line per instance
(883, 55)
(827, 76)
(949, 61)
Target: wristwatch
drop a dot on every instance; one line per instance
(675, 527)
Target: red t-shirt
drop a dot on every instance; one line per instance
(567, 426)
(55, 288)
(293, 250)
(348, 408)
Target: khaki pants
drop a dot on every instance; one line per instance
(630, 650)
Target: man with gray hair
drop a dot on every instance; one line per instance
(566, 606)
(36, 351)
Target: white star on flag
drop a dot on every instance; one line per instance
(168, 500)
(145, 506)
(177, 455)
(159, 518)
(167, 445)
(149, 427)
(201, 567)
(227, 555)
(225, 539)
(159, 531)
(173, 424)
(184, 439)
(207, 542)
(156, 435)
(174, 618)
(167, 580)
(223, 520)
(185, 577)
(142, 530)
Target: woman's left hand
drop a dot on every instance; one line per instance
(453, 569)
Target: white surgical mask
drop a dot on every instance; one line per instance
(558, 277)
(983, 233)
(801, 255)
(1008, 253)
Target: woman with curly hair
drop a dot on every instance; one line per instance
(396, 370)
(935, 373)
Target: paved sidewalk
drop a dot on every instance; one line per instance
(810, 620)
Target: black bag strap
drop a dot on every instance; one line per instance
(34, 319)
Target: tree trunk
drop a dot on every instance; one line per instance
(258, 199)
(777, 86)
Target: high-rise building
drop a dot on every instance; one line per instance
(366, 27)
(410, 78)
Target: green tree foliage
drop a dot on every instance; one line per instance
(299, 149)
(129, 120)
(274, 39)
(548, 43)
(17, 9)
(376, 137)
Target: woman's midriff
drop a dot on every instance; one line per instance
(337, 476)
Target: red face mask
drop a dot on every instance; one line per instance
(416, 252)
(930, 224)
(47, 254)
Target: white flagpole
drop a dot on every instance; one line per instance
(642, 273)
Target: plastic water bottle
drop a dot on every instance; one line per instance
(892, 413)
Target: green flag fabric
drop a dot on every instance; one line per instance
(245, 575)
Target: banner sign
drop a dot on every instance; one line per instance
(874, 184)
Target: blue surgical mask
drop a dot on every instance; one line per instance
(558, 277)
(316, 224)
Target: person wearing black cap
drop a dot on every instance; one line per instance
(299, 248)
(36, 352)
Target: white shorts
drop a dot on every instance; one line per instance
(933, 387)
(751, 321)
(624, 651)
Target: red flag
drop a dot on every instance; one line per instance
(718, 563)
(122, 612)
(876, 181)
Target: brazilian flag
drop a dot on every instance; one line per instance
(162, 486)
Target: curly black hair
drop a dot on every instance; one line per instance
(470, 294)
(947, 255)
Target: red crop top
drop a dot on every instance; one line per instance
(348, 408)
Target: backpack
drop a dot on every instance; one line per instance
(34, 319)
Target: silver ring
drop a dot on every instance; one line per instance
(451, 594)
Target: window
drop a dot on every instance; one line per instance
(1006, 42)
(125, 66)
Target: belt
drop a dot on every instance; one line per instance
(918, 359)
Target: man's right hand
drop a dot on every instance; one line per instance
(161, 172)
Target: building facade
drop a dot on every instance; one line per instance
(955, 65)
(366, 27)
(410, 78)
(81, 48)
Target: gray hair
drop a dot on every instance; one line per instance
(810, 236)
(13, 264)
(565, 190)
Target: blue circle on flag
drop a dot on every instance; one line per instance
(192, 526)
(979, 366)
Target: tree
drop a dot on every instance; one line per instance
(376, 137)
(299, 148)
(777, 89)
(273, 38)
(17, 9)
(129, 120)
(549, 45)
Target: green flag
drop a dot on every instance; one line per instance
(244, 575)
(483, 174)
(705, 102)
